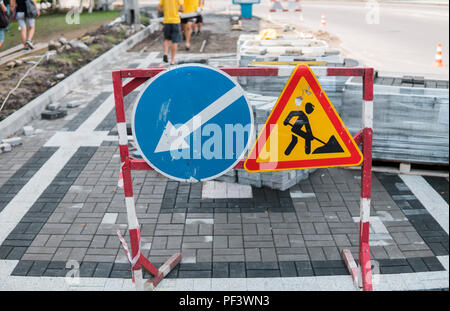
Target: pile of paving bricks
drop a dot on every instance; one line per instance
(285, 47)
(315, 51)
(6, 144)
(411, 117)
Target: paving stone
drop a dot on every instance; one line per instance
(433, 264)
(417, 264)
(237, 270)
(252, 254)
(22, 267)
(220, 270)
(268, 254)
(316, 253)
(204, 255)
(288, 269)
(38, 268)
(16, 253)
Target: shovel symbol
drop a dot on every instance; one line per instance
(331, 146)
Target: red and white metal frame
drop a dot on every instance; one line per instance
(363, 137)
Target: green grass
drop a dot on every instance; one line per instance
(52, 26)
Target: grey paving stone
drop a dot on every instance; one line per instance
(78, 253)
(191, 229)
(307, 228)
(237, 270)
(316, 253)
(22, 268)
(393, 252)
(187, 245)
(414, 254)
(174, 242)
(281, 240)
(378, 252)
(263, 228)
(248, 229)
(204, 255)
(417, 264)
(263, 273)
(252, 254)
(36, 257)
(268, 254)
(40, 240)
(228, 258)
(291, 257)
(235, 242)
(38, 268)
(16, 253)
(220, 270)
(331, 253)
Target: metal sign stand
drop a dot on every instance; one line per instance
(361, 276)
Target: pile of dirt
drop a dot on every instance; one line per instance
(69, 57)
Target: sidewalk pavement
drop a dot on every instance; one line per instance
(60, 207)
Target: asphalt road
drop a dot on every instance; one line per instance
(405, 39)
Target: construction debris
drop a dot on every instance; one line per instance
(4, 147)
(28, 130)
(13, 141)
(53, 114)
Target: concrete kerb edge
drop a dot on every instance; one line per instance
(13, 123)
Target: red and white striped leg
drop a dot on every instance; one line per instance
(137, 259)
(362, 276)
(366, 181)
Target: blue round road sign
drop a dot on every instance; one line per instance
(192, 123)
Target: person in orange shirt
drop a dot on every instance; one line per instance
(172, 29)
(187, 23)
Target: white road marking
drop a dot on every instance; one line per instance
(224, 190)
(429, 198)
(109, 218)
(302, 195)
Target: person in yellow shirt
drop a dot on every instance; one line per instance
(199, 19)
(172, 29)
(186, 23)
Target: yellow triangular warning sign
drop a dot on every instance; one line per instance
(303, 130)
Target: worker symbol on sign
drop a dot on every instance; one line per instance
(332, 146)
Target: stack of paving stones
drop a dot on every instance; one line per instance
(411, 117)
(284, 48)
(273, 86)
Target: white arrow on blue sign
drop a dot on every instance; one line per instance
(192, 123)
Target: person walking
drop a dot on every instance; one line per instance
(4, 11)
(7, 3)
(26, 12)
(187, 22)
(172, 29)
(199, 20)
